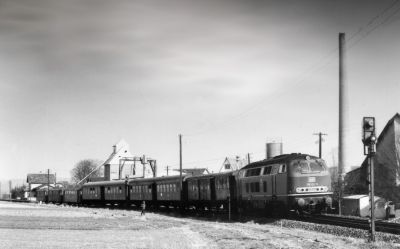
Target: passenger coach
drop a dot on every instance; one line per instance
(212, 191)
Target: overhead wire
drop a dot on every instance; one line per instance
(368, 28)
(320, 64)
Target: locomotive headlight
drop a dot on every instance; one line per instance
(301, 202)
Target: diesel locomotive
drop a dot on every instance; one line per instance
(290, 182)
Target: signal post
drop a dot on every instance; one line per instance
(369, 141)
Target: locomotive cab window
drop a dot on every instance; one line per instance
(253, 172)
(282, 168)
(275, 169)
(267, 170)
(308, 166)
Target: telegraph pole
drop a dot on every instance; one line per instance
(180, 160)
(10, 187)
(248, 158)
(320, 134)
(167, 169)
(48, 184)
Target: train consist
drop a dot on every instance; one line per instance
(290, 182)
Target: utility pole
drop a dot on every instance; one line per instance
(48, 184)
(167, 169)
(10, 187)
(180, 160)
(248, 158)
(343, 109)
(320, 134)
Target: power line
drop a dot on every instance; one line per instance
(318, 65)
(379, 24)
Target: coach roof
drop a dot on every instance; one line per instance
(105, 183)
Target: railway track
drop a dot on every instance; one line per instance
(15, 200)
(360, 223)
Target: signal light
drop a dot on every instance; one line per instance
(368, 126)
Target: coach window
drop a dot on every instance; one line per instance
(282, 168)
(247, 187)
(265, 186)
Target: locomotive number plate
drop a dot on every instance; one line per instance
(311, 179)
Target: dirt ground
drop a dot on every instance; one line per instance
(29, 225)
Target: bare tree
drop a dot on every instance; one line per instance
(83, 168)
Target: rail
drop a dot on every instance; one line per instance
(360, 223)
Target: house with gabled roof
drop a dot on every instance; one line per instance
(36, 180)
(232, 164)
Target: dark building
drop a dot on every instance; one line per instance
(386, 165)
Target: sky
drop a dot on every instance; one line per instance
(76, 76)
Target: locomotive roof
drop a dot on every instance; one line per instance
(158, 179)
(278, 159)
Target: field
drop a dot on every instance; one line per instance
(29, 225)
